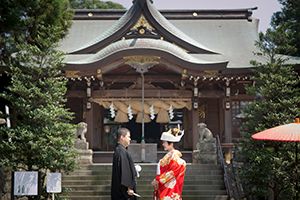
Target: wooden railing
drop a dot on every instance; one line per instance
(233, 186)
(224, 167)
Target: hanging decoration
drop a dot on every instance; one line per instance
(152, 112)
(121, 117)
(130, 114)
(162, 117)
(160, 110)
(112, 110)
(171, 112)
(139, 118)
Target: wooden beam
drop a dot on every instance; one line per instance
(134, 77)
(156, 93)
(242, 97)
(76, 94)
(214, 93)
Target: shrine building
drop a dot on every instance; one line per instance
(149, 70)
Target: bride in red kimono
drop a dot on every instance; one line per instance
(169, 179)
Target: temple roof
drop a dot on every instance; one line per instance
(145, 46)
(154, 18)
(216, 38)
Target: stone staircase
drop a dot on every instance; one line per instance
(92, 182)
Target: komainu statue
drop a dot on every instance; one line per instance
(204, 133)
(82, 146)
(81, 131)
(206, 146)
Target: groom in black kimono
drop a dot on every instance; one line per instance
(123, 170)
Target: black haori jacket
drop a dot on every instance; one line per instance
(123, 174)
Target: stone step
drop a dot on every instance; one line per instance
(149, 192)
(146, 193)
(107, 157)
(149, 197)
(91, 182)
(143, 178)
(70, 183)
(145, 187)
(144, 172)
(102, 167)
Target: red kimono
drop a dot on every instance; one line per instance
(170, 176)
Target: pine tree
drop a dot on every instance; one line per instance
(23, 21)
(286, 25)
(94, 4)
(270, 166)
(41, 137)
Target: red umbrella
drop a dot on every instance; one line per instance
(284, 133)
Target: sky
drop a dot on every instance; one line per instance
(264, 12)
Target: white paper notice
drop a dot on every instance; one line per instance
(26, 183)
(54, 183)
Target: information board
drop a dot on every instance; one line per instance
(25, 183)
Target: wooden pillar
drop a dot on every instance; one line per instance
(188, 137)
(97, 126)
(89, 115)
(228, 130)
(227, 113)
(94, 123)
(221, 119)
(228, 124)
(194, 123)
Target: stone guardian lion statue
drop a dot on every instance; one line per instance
(204, 133)
(81, 131)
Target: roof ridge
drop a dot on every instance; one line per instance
(241, 13)
(175, 31)
(156, 19)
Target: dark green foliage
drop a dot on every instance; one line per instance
(269, 167)
(286, 27)
(23, 21)
(94, 4)
(41, 137)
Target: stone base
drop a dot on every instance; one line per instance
(207, 158)
(207, 146)
(85, 154)
(81, 144)
(206, 152)
(85, 157)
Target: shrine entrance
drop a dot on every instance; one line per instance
(154, 123)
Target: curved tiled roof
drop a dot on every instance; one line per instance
(130, 17)
(144, 43)
(175, 31)
(113, 29)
